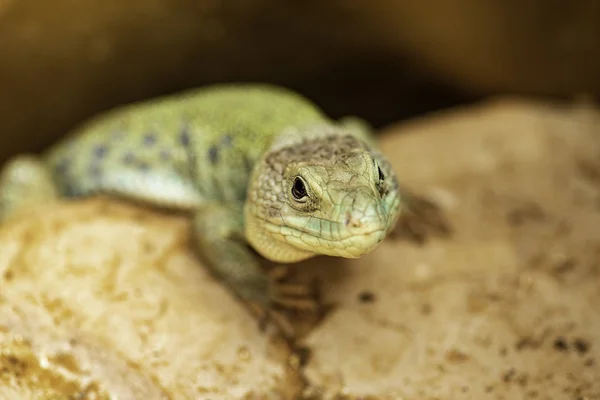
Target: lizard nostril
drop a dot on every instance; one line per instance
(352, 222)
(355, 223)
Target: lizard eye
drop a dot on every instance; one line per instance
(380, 183)
(380, 174)
(299, 189)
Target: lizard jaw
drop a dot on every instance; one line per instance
(353, 246)
(284, 244)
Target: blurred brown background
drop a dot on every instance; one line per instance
(65, 60)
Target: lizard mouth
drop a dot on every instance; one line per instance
(355, 246)
(350, 246)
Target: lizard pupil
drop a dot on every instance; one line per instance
(298, 189)
(381, 175)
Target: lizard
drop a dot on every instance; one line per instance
(256, 166)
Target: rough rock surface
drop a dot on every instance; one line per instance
(100, 297)
(509, 307)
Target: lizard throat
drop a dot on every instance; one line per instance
(276, 250)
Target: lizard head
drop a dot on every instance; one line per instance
(330, 195)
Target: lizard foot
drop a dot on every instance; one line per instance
(270, 316)
(294, 296)
(286, 301)
(421, 219)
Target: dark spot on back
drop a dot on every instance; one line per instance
(95, 171)
(129, 158)
(184, 137)
(69, 190)
(149, 139)
(213, 154)
(100, 151)
(62, 167)
(227, 140)
(165, 155)
(143, 166)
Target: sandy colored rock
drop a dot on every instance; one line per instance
(106, 298)
(101, 297)
(510, 306)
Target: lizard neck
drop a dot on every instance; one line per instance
(269, 244)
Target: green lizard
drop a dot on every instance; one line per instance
(254, 164)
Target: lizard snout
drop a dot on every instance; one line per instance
(364, 215)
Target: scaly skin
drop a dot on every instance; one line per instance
(247, 161)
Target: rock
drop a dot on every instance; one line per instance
(108, 298)
(496, 310)
(102, 297)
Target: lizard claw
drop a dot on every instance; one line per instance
(284, 300)
(270, 316)
(296, 296)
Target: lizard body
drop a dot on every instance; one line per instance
(249, 161)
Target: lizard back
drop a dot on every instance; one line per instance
(181, 150)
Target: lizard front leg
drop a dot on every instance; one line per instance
(218, 232)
